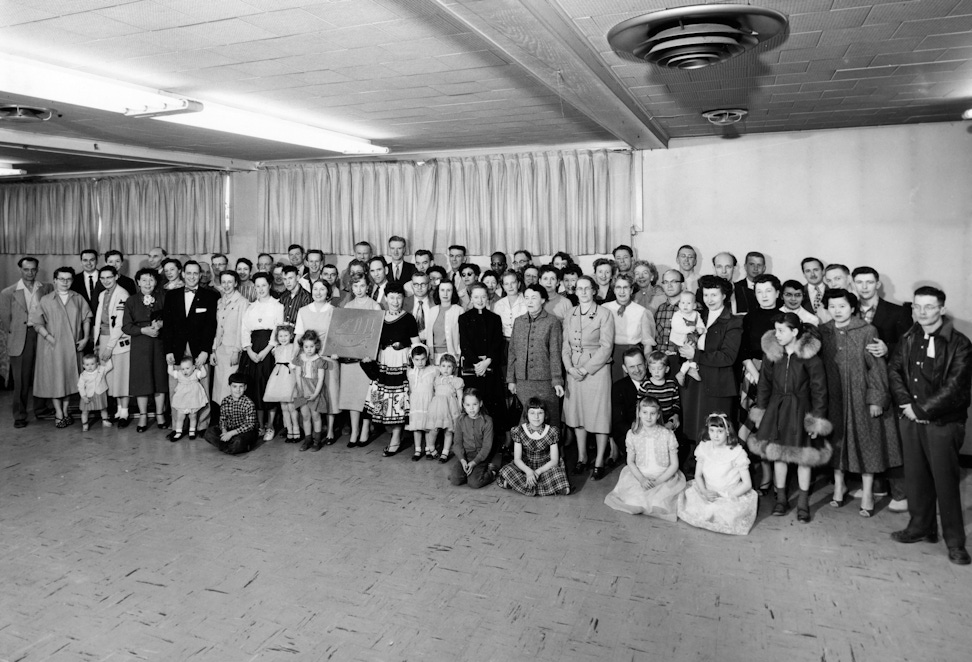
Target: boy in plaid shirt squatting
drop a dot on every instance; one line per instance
(237, 429)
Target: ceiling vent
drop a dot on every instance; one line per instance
(697, 36)
(25, 114)
(725, 116)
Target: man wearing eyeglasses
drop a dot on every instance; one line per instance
(16, 304)
(931, 379)
(672, 282)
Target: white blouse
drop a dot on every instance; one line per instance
(637, 325)
(260, 315)
(508, 313)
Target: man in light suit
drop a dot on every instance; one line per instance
(16, 302)
(189, 328)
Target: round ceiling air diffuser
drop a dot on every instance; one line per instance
(725, 116)
(696, 36)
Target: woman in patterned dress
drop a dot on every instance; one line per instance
(536, 469)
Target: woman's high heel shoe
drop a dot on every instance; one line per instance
(142, 424)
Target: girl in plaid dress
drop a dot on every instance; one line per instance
(536, 469)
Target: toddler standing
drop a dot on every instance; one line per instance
(445, 406)
(189, 396)
(93, 388)
(421, 378)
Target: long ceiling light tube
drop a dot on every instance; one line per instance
(41, 81)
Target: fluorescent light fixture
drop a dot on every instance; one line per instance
(967, 115)
(245, 123)
(41, 81)
(7, 169)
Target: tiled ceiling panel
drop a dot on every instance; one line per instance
(420, 76)
(842, 63)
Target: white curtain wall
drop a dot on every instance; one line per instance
(580, 201)
(182, 212)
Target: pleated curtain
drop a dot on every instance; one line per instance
(582, 201)
(180, 211)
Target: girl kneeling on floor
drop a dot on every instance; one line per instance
(536, 469)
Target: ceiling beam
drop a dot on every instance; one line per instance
(538, 37)
(97, 148)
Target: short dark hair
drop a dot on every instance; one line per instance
(573, 269)
(525, 252)
(439, 270)
(28, 258)
(768, 278)
(500, 253)
(264, 275)
(793, 285)
(395, 237)
(710, 282)
(246, 261)
(866, 271)
(110, 269)
(623, 247)
(930, 291)
(474, 392)
(489, 272)
(551, 269)
(537, 403)
(633, 351)
(378, 258)
(426, 253)
(289, 269)
(364, 243)
(755, 254)
(114, 251)
(688, 246)
(394, 288)
(841, 293)
(458, 247)
(563, 256)
(258, 256)
(792, 320)
(469, 265)
(237, 378)
(171, 260)
(188, 262)
(147, 271)
(229, 272)
(219, 255)
(86, 251)
(315, 251)
(535, 287)
(293, 246)
(601, 261)
(804, 261)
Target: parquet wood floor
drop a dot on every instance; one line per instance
(120, 546)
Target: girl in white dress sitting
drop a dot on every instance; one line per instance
(651, 483)
(189, 396)
(721, 498)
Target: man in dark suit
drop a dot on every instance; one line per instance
(813, 271)
(399, 271)
(378, 270)
(744, 291)
(419, 303)
(189, 328)
(114, 258)
(891, 322)
(16, 302)
(86, 284)
(626, 392)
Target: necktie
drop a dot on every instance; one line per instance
(398, 272)
(420, 317)
(90, 286)
(621, 310)
(191, 289)
(374, 295)
(818, 296)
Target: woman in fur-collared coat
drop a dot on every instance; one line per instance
(791, 405)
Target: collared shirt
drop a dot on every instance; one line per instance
(508, 313)
(424, 305)
(248, 289)
(868, 313)
(292, 302)
(663, 327)
(816, 292)
(30, 298)
(190, 296)
(922, 384)
(237, 414)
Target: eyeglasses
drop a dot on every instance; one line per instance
(467, 274)
(65, 279)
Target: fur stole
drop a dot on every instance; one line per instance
(807, 346)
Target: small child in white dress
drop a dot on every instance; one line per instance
(421, 387)
(651, 483)
(446, 405)
(687, 326)
(721, 498)
(189, 396)
(93, 388)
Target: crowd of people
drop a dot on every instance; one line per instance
(512, 367)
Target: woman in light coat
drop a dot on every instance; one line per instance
(111, 342)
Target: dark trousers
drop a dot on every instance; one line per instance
(22, 375)
(241, 443)
(931, 460)
(480, 476)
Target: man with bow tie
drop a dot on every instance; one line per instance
(189, 328)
